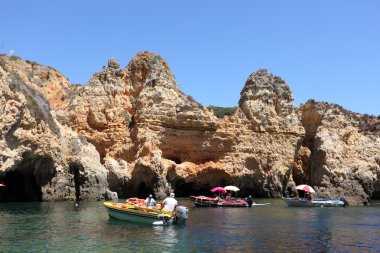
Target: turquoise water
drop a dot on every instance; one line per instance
(61, 227)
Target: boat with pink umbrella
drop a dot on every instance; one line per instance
(219, 189)
(204, 201)
(308, 201)
(218, 201)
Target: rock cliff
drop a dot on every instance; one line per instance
(132, 130)
(341, 152)
(40, 157)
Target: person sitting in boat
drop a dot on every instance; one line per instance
(150, 202)
(169, 203)
(217, 198)
(308, 197)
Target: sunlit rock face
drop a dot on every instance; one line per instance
(267, 102)
(40, 157)
(132, 130)
(344, 152)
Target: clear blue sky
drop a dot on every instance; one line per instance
(326, 50)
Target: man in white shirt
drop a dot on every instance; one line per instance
(169, 203)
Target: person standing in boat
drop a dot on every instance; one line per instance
(169, 203)
(249, 200)
(150, 202)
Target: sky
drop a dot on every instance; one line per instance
(324, 50)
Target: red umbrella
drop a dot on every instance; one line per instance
(219, 189)
(305, 187)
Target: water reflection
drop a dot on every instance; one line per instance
(59, 226)
(168, 235)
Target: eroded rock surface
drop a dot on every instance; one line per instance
(343, 154)
(133, 131)
(41, 158)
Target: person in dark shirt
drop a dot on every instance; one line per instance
(249, 200)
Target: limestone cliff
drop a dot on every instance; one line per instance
(41, 158)
(343, 152)
(133, 131)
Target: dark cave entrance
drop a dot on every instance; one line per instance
(143, 181)
(376, 189)
(143, 191)
(20, 186)
(183, 189)
(186, 189)
(24, 182)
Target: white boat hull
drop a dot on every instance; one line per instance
(315, 203)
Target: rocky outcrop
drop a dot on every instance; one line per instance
(40, 158)
(132, 130)
(343, 150)
(267, 102)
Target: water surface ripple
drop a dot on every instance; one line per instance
(61, 227)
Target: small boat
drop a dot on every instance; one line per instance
(136, 213)
(200, 196)
(203, 201)
(232, 203)
(314, 202)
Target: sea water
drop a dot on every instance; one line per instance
(62, 227)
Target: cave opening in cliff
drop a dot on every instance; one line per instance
(376, 189)
(181, 188)
(143, 191)
(185, 189)
(144, 179)
(20, 186)
(24, 182)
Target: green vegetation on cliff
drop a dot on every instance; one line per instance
(220, 112)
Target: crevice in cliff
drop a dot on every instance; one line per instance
(75, 170)
(311, 119)
(376, 189)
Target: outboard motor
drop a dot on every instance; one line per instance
(182, 214)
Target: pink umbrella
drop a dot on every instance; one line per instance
(219, 189)
(305, 187)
